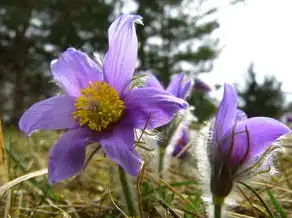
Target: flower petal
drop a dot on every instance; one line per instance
(121, 57)
(175, 84)
(226, 114)
(262, 132)
(151, 80)
(74, 70)
(52, 113)
(119, 146)
(67, 157)
(240, 115)
(156, 103)
(183, 93)
(181, 143)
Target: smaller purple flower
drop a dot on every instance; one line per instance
(177, 86)
(182, 142)
(239, 146)
(287, 118)
(99, 105)
(201, 86)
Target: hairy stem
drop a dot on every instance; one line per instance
(129, 197)
(218, 203)
(161, 160)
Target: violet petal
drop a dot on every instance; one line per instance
(74, 70)
(184, 90)
(226, 114)
(52, 113)
(67, 157)
(151, 102)
(262, 131)
(119, 146)
(240, 115)
(175, 84)
(151, 80)
(121, 57)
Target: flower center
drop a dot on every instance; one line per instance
(98, 106)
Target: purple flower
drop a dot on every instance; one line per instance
(201, 86)
(288, 118)
(181, 143)
(177, 86)
(98, 105)
(239, 145)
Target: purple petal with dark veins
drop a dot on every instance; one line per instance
(121, 57)
(262, 131)
(226, 114)
(52, 113)
(67, 157)
(74, 70)
(153, 105)
(118, 145)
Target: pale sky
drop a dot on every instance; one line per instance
(258, 31)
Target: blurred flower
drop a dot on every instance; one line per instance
(239, 146)
(199, 85)
(177, 86)
(99, 105)
(181, 144)
(287, 118)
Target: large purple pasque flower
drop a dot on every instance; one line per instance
(239, 145)
(98, 105)
(177, 86)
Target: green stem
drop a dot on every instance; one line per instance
(129, 197)
(161, 160)
(218, 203)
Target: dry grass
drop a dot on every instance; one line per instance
(86, 195)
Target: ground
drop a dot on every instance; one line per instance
(96, 192)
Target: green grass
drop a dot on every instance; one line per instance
(87, 194)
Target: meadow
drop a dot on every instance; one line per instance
(96, 192)
(99, 136)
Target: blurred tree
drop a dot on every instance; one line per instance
(264, 99)
(176, 36)
(32, 33)
(204, 106)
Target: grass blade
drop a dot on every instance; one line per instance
(276, 204)
(259, 197)
(14, 182)
(3, 162)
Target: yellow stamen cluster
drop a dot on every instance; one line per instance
(98, 106)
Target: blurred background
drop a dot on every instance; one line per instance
(242, 42)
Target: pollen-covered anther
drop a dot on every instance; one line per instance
(98, 106)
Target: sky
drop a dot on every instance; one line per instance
(257, 31)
